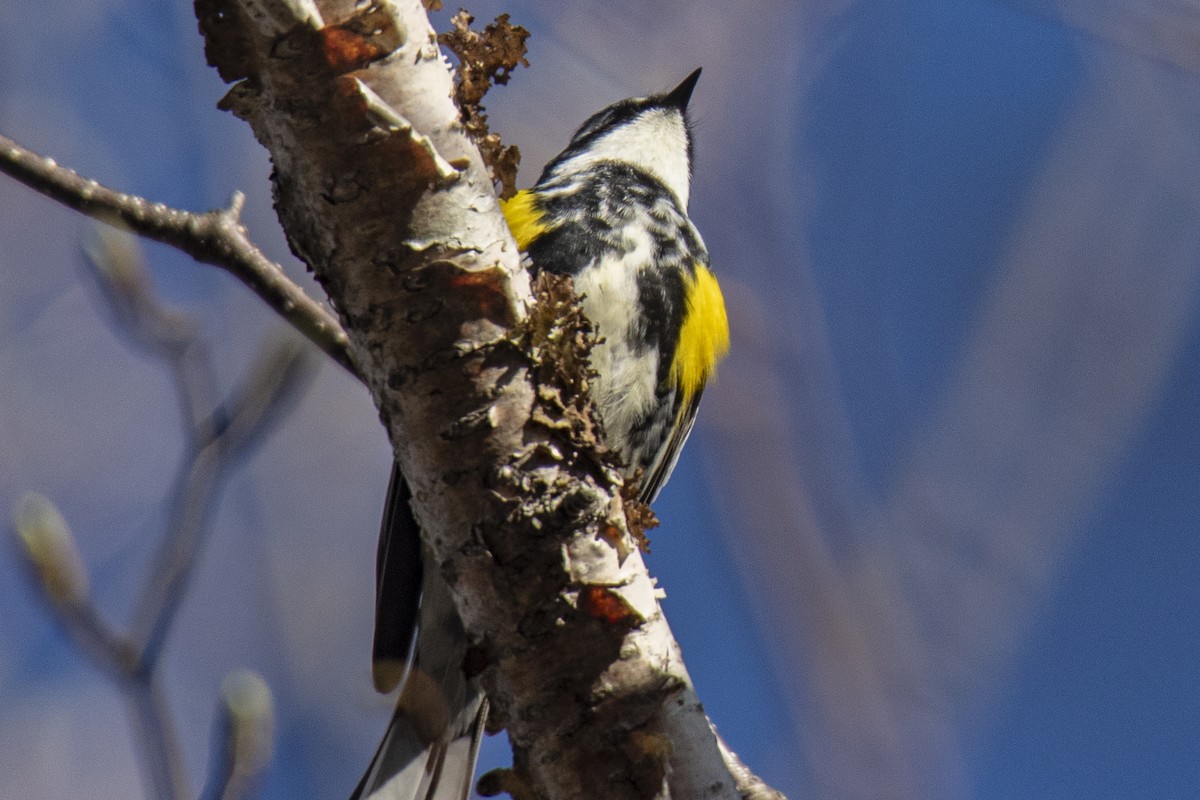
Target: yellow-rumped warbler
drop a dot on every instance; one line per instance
(610, 211)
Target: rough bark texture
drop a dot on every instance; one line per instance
(386, 199)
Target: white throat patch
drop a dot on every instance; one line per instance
(655, 141)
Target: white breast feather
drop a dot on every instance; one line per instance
(609, 290)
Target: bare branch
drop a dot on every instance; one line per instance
(50, 550)
(156, 736)
(220, 432)
(214, 237)
(234, 426)
(117, 266)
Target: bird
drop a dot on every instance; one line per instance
(610, 211)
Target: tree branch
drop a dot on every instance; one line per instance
(214, 237)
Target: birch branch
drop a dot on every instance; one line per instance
(386, 199)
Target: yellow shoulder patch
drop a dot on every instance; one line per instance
(704, 336)
(524, 217)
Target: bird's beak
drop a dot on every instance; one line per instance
(679, 96)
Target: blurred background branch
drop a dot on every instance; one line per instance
(220, 431)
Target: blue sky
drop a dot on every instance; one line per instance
(935, 534)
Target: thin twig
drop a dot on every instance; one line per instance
(110, 650)
(219, 433)
(157, 739)
(237, 424)
(214, 237)
(116, 264)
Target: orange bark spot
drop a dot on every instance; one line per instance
(486, 289)
(345, 50)
(604, 604)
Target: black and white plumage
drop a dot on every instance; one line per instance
(606, 219)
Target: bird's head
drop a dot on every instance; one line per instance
(651, 133)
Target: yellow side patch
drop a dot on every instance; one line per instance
(524, 217)
(704, 337)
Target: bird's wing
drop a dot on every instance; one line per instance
(397, 585)
(663, 465)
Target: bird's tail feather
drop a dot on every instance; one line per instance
(432, 742)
